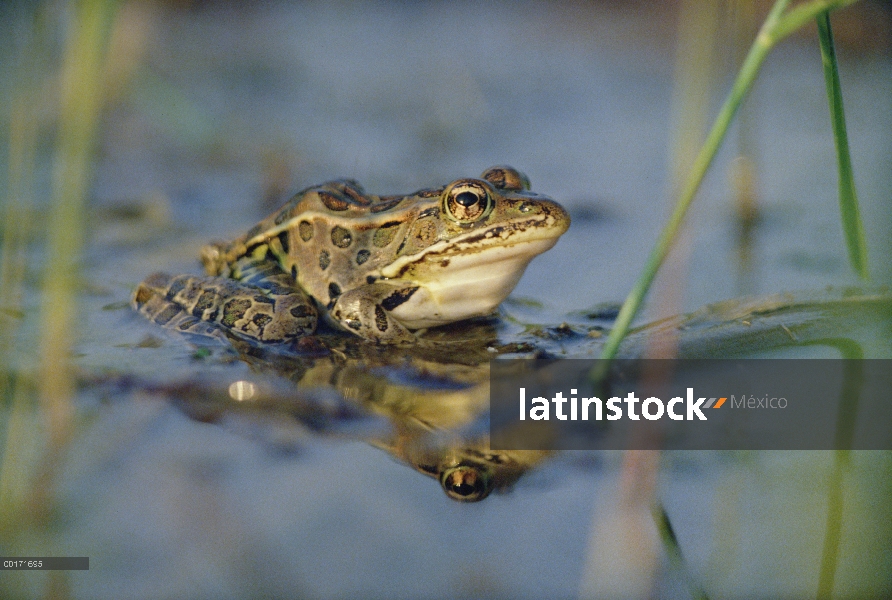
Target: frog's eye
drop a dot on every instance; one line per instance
(467, 202)
(465, 483)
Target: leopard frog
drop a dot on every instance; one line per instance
(375, 266)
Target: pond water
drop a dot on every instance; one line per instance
(175, 489)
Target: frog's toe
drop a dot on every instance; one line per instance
(152, 299)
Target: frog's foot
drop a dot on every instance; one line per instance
(215, 306)
(364, 311)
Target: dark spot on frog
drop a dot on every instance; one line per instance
(398, 297)
(380, 319)
(353, 324)
(305, 229)
(340, 237)
(301, 311)
(234, 310)
(334, 290)
(294, 272)
(385, 234)
(444, 263)
(261, 320)
(362, 256)
(176, 286)
(264, 300)
(386, 204)
(370, 279)
(324, 260)
(334, 202)
(354, 191)
(283, 239)
(205, 301)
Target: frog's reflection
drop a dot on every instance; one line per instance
(428, 403)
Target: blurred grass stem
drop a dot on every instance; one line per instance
(19, 442)
(80, 101)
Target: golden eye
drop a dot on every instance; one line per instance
(465, 483)
(467, 201)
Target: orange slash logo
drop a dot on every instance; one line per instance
(713, 401)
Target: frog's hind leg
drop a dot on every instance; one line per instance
(295, 312)
(154, 298)
(262, 307)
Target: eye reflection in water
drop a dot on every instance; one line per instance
(466, 483)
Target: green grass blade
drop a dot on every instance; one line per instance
(778, 24)
(853, 229)
(742, 85)
(803, 13)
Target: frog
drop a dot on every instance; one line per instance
(383, 268)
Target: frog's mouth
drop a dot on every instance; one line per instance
(522, 238)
